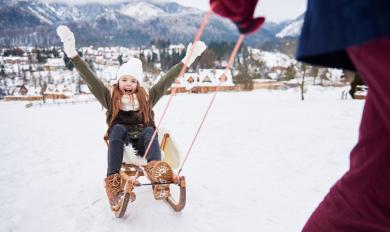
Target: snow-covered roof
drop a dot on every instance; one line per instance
(206, 77)
(274, 75)
(57, 62)
(15, 58)
(177, 47)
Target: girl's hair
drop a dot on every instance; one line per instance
(144, 113)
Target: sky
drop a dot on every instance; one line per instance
(271, 9)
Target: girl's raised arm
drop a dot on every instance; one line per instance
(96, 86)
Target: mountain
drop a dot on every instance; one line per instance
(287, 33)
(275, 28)
(292, 28)
(135, 22)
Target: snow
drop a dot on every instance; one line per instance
(335, 74)
(39, 15)
(262, 162)
(273, 59)
(264, 81)
(291, 30)
(56, 62)
(142, 11)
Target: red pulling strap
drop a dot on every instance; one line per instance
(173, 90)
(222, 79)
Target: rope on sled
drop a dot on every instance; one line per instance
(222, 79)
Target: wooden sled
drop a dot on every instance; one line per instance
(130, 173)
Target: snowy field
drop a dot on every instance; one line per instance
(262, 162)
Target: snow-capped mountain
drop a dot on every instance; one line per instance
(134, 22)
(292, 29)
(144, 11)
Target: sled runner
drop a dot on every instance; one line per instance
(161, 186)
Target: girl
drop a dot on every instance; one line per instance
(129, 112)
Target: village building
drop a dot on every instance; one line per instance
(54, 64)
(206, 80)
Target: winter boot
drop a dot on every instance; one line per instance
(114, 189)
(160, 174)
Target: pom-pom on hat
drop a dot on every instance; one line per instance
(133, 67)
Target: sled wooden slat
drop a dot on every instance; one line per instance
(122, 209)
(130, 174)
(179, 206)
(129, 195)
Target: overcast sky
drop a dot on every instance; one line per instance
(273, 10)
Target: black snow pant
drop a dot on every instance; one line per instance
(118, 139)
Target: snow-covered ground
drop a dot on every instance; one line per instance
(262, 162)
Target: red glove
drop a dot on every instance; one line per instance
(240, 12)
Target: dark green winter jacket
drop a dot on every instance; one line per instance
(102, 93)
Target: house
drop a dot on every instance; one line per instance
(206, 80)
(23, 90)
(55, 64)
(15, 60)
(100, 60)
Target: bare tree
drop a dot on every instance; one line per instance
(43, 85)
(314, 73)
(301, 79)
(324, 76)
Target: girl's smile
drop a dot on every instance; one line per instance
(128, 84)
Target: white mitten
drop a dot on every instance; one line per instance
(67, 38)
(193, 51)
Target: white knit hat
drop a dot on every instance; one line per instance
(133, 67)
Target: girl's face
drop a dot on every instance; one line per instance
(128, 84)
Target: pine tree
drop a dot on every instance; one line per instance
(356, 81)
(55, 53)
(290, 72)
(243, 77)
(68, 63)
(2, 72)
(207, 59)
(161, 43)
(120, 59)
(90, 64)
(40, 57)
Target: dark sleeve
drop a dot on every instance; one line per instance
(158, 90)
(96, 86)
